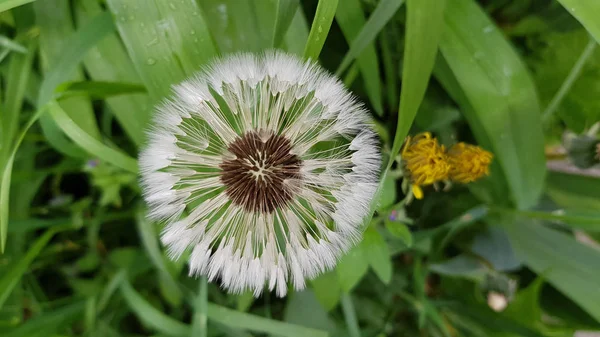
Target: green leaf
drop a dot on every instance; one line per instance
(89, 143)
(47, 323)
(20, 266)
(6, 181)
(377, 254)
(351, 19)
(586, 12)
(400, 231)
(350, 316)
(388, 193)
(383, 13)
(351, 268)
(167, 41)
(423, 30)
(304, 309)
(525, 308)
(461, 266)
(241, 320)
(97, 90)
(320, 28)
(327, 289)
(286, 9)
(493, 245)
(199, 326)
(569, 266)
(486, 77)
(108, 61)
(574, 191)
(151, 316)
(9, 4)
(297, 34)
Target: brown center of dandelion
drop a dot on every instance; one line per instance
(264, 173)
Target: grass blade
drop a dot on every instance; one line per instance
(6, 181)
(285, 13)
(89, 143)
(242, 320)
(297, 34)
(486, 77)
(350, 316)
(351, 19)
(423, 31)
(199, 326)
(383, 13)
(320, 28)
(569, 266)
(20, 266)
(151, 316)
(167, 41)
(587, 13)
(47, 323)
(97, 90)
(108, 61)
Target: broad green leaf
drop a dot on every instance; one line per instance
(461, 266)
(586, 12)
(304, 309)
(5, 181)
(382, 14)
(388, 193)
(297, 34)
(108, 61)
(485, 76)
(377, 254)
(246, 321)
(351, 268)
(423, 30)
(574, 191)
(320, 28)
(351, 19)
(97, 90)
(56, 31)
(568, 265)
(400, 231)
(20, 266)
(286, 10)
(493, 245)
(8, 4)
(89, 143)
(166, 40)
(327, 289)
(525, 308)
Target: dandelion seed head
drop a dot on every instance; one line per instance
(263, 167)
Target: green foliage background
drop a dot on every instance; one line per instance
(79, 79)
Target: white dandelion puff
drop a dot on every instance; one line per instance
(263, 167)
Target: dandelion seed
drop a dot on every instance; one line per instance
(468, 162)
(424, 162)
(264, 167)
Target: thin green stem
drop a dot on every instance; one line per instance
(570, 80)
(199, 322)
(350, 316)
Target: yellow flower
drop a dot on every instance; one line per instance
(468, 162)
(424, 162)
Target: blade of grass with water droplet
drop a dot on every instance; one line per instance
(424, 25)
(351, 19)
(166, 41)
(320, 28)
(382, 14)
(108, 61)
(587, 12)
(482, 72)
